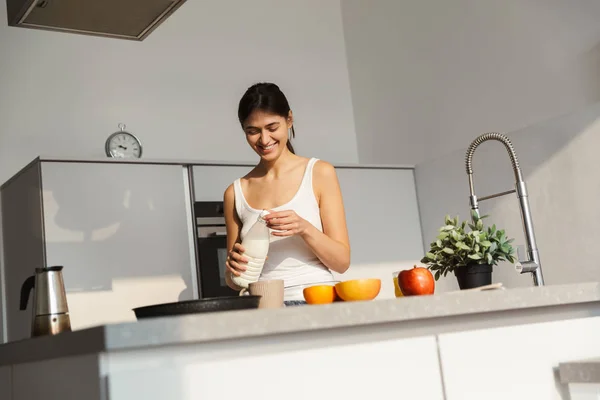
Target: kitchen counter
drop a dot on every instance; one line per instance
(449, 346)
(406, 317)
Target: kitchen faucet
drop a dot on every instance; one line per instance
(532, 264)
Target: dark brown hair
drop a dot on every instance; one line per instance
(265, 97)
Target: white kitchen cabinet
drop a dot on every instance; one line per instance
(382, 215)
(210, 181)
(383, 223)
(406, 368)
(516, 362)
(22, 245)
(122, 231)
(381, 208)
(68, 378)
(6, 383)
(584, 391)
(254, 369)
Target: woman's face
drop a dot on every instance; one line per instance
(267, 133)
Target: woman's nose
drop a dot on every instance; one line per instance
(264, 137)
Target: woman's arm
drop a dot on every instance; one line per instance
(332, 246)
(233, 225)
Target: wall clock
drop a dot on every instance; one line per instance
(123, 144)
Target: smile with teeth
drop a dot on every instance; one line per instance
(268, 147)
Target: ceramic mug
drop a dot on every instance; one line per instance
(271, 293)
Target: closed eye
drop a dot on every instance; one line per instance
(272, 127)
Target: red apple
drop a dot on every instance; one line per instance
(416, 281)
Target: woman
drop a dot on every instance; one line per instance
(303, 197)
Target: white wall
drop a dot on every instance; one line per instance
(559, 159)
(428, 76)
(63, 94)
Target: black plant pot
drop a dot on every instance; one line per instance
(473, 275)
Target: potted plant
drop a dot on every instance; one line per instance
(470, 255)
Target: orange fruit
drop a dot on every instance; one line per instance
(358, 289)
(320, 294)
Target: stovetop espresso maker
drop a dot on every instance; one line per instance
(50, 309)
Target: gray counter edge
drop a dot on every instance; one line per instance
(583, 371)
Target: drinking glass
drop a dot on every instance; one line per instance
(397, 290)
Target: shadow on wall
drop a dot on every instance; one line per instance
(558, 159)
(590, 80)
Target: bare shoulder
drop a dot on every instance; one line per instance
(231, 217)
(325, 181)
(324, 172)
(229, 193)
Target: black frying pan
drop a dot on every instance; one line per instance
(212, 304)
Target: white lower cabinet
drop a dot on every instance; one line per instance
(69, 378)
(211, 181)
(6, 383)
(584, 391)
(517, 362)
(406, 368)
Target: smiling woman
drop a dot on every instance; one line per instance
(309, 237)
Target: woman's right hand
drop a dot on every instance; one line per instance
(235, 260)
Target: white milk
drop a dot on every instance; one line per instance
(256, 246)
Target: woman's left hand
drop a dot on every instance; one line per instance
(286, 223)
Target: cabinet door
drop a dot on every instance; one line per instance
(210, 181)
(383, 222)
(123, 233)
(6, 383)
(22, 247)
(385, 369)
(65, 378)
(516, 362)
(381, 213)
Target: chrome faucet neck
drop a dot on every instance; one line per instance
(532, 264)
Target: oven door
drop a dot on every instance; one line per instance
(212, 254)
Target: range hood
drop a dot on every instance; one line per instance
(122, 19)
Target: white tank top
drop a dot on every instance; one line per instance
(290, 258)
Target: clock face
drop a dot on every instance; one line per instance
(123, 145)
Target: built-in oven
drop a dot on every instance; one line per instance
(211, 237)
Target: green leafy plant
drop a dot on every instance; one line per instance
(455, 247)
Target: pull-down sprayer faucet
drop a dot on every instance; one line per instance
(532, 264)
